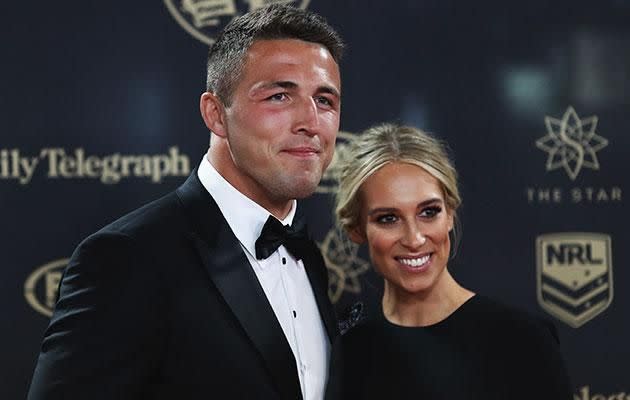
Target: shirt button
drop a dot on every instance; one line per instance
(284, 261)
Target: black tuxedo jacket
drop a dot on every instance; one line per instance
(163, 304)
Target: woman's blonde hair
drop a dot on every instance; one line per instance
(388, 143)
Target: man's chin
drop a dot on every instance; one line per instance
(301, 189)
(302, 192)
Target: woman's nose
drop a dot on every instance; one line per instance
(413, 237)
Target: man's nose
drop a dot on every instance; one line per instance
(307, 120)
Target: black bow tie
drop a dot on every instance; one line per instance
(274, 234)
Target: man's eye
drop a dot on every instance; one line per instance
(324, 101)
(277, 97)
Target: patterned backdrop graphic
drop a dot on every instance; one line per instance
(99, 105)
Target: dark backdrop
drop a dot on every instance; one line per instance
(531, 96)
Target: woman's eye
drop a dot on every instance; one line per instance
(430, 212)
(386, 219)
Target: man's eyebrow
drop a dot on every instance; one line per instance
(273, 85)
(292, 85)
(330, 90)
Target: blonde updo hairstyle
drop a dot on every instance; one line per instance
(389, 143)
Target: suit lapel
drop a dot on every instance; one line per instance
(318, 276)
(235, 280)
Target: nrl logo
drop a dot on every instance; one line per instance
(574, 275)
(571, 143)
(203, 19)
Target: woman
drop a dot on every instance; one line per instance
(435, 339)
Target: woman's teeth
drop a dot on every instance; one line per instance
(415, 262)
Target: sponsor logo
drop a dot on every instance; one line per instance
(341, 255)
(584, 393)
(204, 19)
(77, 164)
(571, 143)
(330, 179)
(344, 264)
(40, 288)
(574, 275)
(575, 195)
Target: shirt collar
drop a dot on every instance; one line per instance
(245, 217)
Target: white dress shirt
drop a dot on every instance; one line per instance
(282, 278)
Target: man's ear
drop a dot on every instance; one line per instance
(213, 113)
(357, 235)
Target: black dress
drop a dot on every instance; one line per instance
(484, 350)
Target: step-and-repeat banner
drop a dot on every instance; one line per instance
(99, 111)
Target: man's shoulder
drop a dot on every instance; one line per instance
(159, 220)
(160, 214)
(169, 219)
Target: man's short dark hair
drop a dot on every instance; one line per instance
(227, 56)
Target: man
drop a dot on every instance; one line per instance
(181, 299)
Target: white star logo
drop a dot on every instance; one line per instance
(571, 143)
